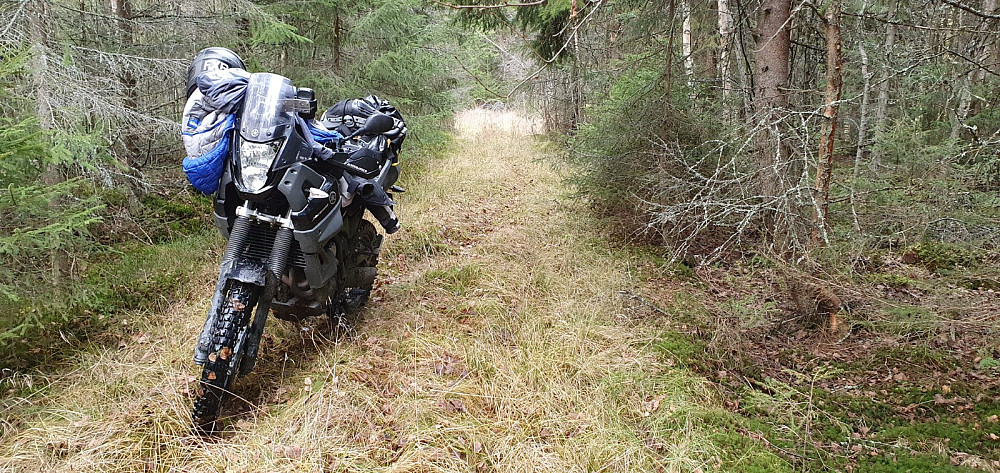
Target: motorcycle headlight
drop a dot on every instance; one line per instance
(255, 162)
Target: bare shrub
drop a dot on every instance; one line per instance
(708, 201)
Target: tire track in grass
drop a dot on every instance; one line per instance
(496, 340)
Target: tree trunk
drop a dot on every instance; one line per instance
(960, 41)
(686, 44)
(122, 10)
(336, 40)
(862, 131)
(771, 98)
(667, 72)
(38, 35)
(964, 104)
(577, 86)
(991, 54)
(725, 35)
(828, 131)
(982, 54)
(882, 107)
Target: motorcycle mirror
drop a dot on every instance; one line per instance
(375, 125)
(309, 97)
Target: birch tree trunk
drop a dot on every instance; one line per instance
(725, 38)
(982, 54)
(686, 41)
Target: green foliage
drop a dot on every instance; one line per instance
(616, 149)
(547, 23)
(10, 66)
(23, 151)
(166, 218)
(399, 50)
(37, 220)
(912, 145)
(137, 277)
(58, 277)
(988, 363)
(269, 30)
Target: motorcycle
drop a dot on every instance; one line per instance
(298, 244)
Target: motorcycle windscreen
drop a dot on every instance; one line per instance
(267, 113)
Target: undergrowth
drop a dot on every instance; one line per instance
(132, 276)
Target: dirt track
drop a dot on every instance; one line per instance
(497, 340)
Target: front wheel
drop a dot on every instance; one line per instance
(220, 369)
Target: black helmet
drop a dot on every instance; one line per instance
(351, 113)
(211, 59)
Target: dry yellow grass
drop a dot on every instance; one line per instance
(496, 341)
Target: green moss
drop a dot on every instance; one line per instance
(906, 320)
(743, 452)
(959, 438)
(894, 281)
(939, 256)
(166, 219)
(679, 347)
(904, 461)
(913, 356)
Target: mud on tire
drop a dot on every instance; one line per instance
(220, 370)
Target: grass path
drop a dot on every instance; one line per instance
(498, 340)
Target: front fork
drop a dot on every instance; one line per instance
(276, 264)
(236, 268)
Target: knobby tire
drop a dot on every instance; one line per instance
(220, 370)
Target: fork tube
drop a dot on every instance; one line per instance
(280, 252)
(237, 238)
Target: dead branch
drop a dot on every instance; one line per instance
(487, 7)
(969, 9)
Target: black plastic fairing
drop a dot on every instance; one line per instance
(296, 150)
(308, 207)
(345, 162)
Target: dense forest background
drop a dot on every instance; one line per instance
(91, 100)
(826, 170)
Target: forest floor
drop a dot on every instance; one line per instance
(506, 333)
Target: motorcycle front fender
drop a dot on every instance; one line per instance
(238, 269)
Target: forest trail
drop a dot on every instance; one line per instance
(498, 339)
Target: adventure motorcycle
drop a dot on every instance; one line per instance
(298, 244)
